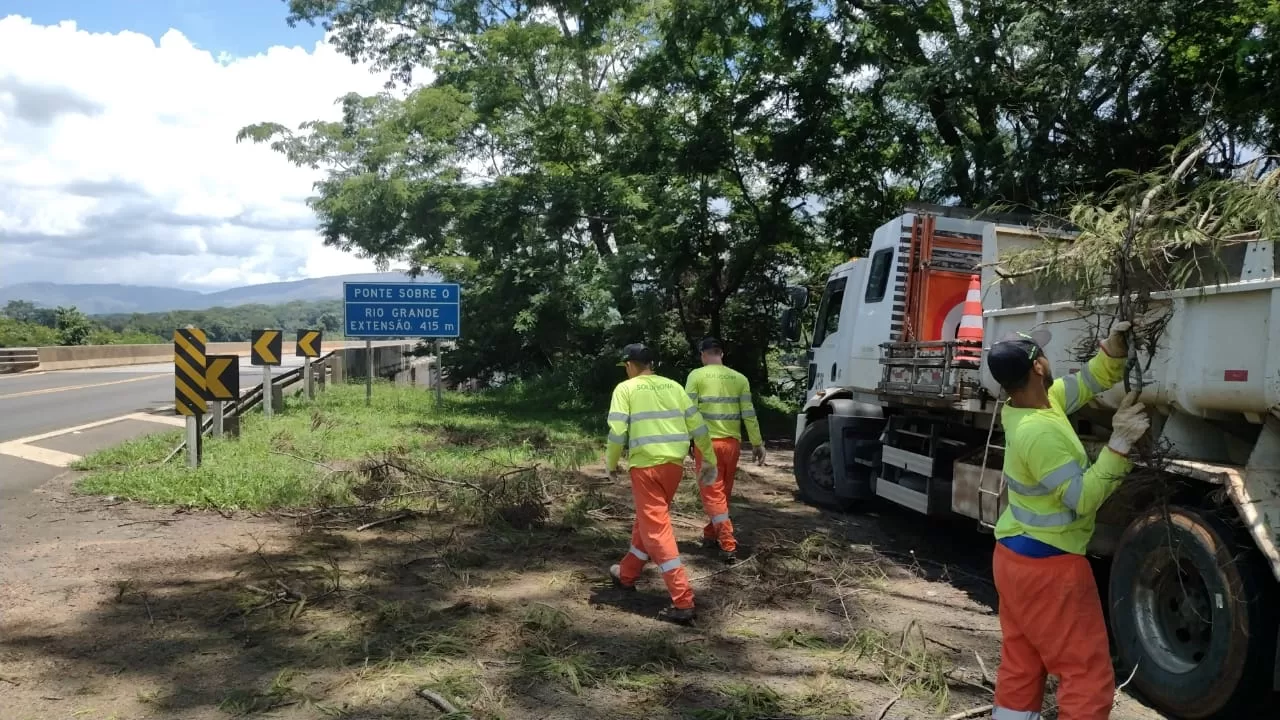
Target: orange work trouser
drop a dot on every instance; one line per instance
(715, 497)
(1051, 619)
(652, 538)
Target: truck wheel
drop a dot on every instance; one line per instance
(815, 473)
(1189, 610)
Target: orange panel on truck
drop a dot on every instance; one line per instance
(939, 269)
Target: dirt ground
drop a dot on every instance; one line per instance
(110, 609)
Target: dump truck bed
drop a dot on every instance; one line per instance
(1217, 354)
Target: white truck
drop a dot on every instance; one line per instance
(891, 412)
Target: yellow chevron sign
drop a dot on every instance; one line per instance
(265, 348)
(188, 371)
(222, 377)
(308, 344)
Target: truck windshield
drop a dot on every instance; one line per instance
(829, 311)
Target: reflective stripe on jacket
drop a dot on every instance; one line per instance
(653, 418)
(1054, 494)
(723, 396)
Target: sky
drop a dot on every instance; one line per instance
(118, 160)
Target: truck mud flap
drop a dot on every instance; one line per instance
(855, 454)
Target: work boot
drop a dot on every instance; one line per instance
(729, 557)
(679, 616)
(615, 574)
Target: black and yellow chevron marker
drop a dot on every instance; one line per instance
(308, 344)
(264, 347)
(188, 371)
(222, 377)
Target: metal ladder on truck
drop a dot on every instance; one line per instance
(987, 518)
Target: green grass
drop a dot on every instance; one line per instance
(336, 450)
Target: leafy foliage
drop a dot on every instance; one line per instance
(661, 169)
(22, 324)
(1156, 232)
(72, 326)
(233, 324)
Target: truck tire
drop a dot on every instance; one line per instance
(815, 473)
(1190, 611)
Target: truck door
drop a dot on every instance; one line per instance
(825, 355)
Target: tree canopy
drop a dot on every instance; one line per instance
(605, 172)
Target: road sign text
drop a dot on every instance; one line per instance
(402, 310)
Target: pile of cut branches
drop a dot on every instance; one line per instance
(1159, 231)
(1153, 233)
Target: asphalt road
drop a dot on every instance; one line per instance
(42, 403)
(31, 404)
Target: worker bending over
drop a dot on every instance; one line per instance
(653, 418)
(723, 396)
(1050, 612)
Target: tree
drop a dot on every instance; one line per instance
(72, 326)
(633, 169)
(24, 311)
(20, 310)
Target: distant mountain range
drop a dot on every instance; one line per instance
(106, 299)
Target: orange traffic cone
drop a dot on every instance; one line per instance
(971, 325)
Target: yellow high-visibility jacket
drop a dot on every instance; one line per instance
(723, 396)
(653, 418)
(1054, 494)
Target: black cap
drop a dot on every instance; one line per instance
(710, 343)
(1010, 359)
(637, 353)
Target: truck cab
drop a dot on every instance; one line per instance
(910, 287)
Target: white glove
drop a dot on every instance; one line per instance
(1128, 425)
(1116, 345)
(707, 477)
(757, 453)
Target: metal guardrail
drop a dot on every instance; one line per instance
(253, 398)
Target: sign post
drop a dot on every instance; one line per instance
(400, 310)
(222, 381)
(189, 385)
(439, 376)
(307, 347)
(265, 351)
(368, 375)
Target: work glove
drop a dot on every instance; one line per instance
(757, 454)
(1116, 345)
(1128, 425)
(707, 476)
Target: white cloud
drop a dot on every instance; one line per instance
(118, 160)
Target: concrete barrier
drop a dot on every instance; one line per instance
(78, 357)
(14, 360)
(389, 361)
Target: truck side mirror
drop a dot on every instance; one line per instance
(791, 325)
(799, 297)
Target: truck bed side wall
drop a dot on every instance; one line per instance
(1212, 386)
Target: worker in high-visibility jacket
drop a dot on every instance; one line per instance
(723, 396)
(1050, 613)
(653, 418)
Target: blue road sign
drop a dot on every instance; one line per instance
(394, 310)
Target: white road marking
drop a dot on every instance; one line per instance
(22, 447)
(164, 419)
(34, 453)
(65, 388)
